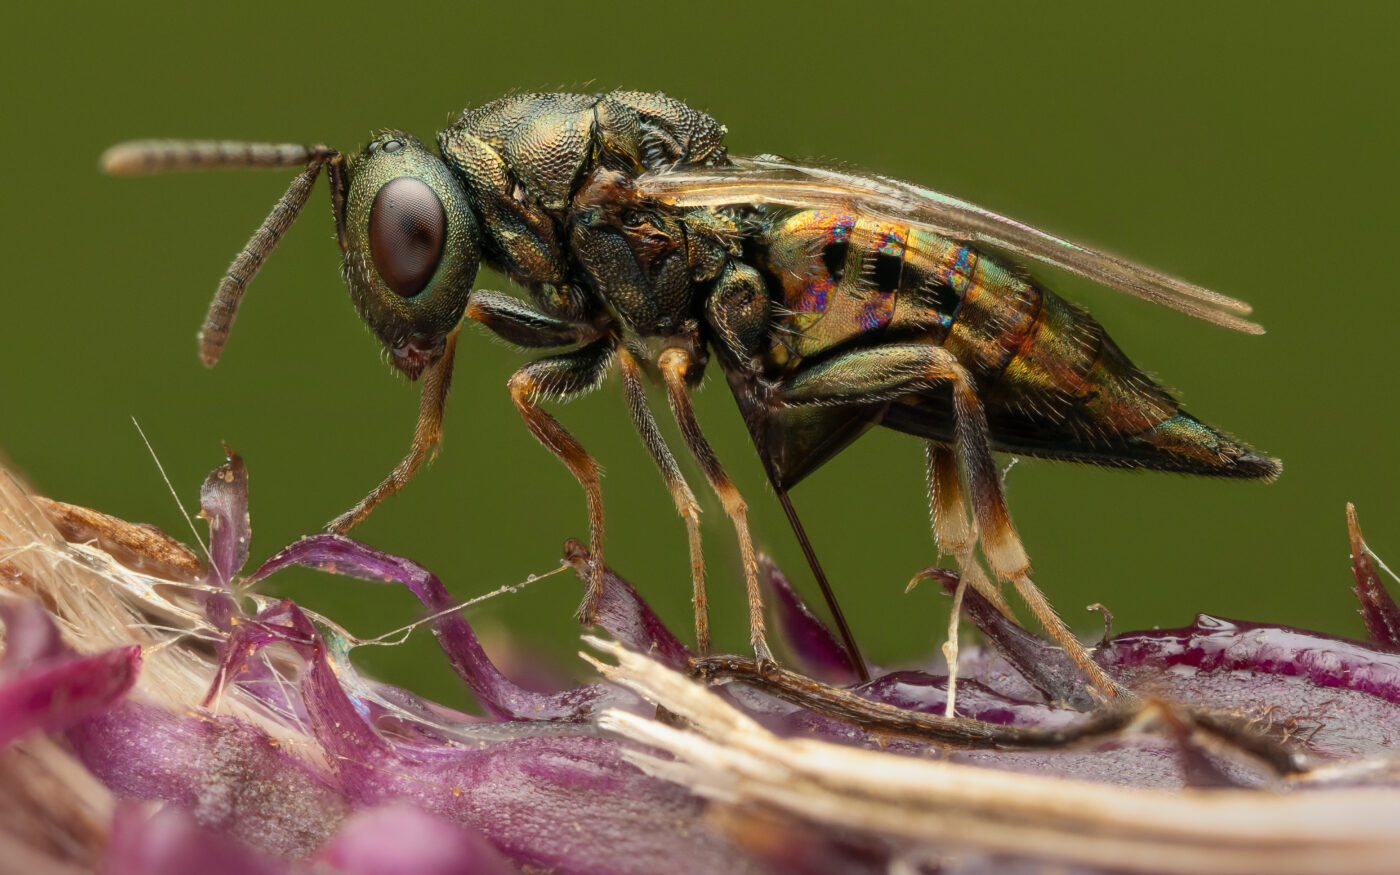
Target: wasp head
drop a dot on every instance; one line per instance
(411, 248)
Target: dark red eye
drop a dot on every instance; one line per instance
(407, 226)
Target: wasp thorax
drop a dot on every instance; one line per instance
(412, 247)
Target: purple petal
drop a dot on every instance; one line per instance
(1213, 644)
(566, 803)
(46, 689)
(809, 640)
(1378, 609)
(57, 693)
(30, 635)
(1043, 665)
(569, 802)
(1338, 697)
(398, 839)
(413, 720)
(223, 501)
(230, 775)
(925, 693)
(171, 842)
(625, 616)
(340, 555)
(274, 624)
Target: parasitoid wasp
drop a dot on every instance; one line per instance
(834, 302)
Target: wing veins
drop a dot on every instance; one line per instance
(778, 182)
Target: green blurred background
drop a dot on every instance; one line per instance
(1248, 148)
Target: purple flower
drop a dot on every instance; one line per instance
(173, 682)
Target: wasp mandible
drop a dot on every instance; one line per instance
(833, 302)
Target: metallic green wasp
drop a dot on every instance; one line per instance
(833, 303)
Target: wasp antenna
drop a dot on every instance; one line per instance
(138, 157)
(224, 308)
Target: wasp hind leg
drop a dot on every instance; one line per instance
(951, 528)
(956, 536)
(896, 370)
(674, 364)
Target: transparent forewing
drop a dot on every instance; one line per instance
(770, 180)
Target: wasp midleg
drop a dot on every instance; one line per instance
(634, 394)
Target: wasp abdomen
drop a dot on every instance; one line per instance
(1053, 382)
(1055, 385)
(842, 276)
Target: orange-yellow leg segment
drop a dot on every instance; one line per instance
(1000, 543)
(674, 363)
(566, 375)
(635, 396)
(427, 435)
(956, 536)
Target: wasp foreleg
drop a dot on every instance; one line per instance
(566, 376)
(516, 322)
(674, 363)
(437, 380)
(636, 398)
(896, 370)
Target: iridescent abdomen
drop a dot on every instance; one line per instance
(1052, 382)
(842, 276)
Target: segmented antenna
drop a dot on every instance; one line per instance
(159, 156)
(139, 157)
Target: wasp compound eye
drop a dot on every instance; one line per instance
(407, 229)
(412, 247)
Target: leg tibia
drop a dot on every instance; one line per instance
(565, 375)
(674, 364)
(427, 435)
(635, 396)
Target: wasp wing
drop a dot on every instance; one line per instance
(771, 180)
